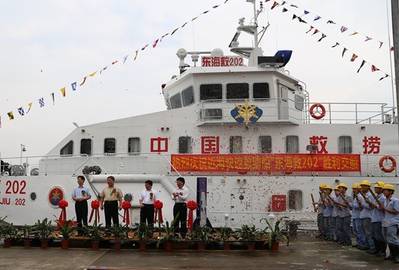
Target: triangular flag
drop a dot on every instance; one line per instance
(21, 111)
(294, 6)
(354, 33)
(125, 58)
(93, 74)
(164, 36)
(317, 18)
(53, 97)
(322, 37)
(311, 28)
(294, 16)
(386, 76)
(205, 12)
(145, 47)
(361, 66)
(74, 86)
(381, 43)
(83, 82)
(155, 43)
(184, 24)
(63, 91)
(10, 115)
(336, 45)
(315, 32)
(285, 10)
(301, 20)
(193, 19)
(283, 3)
(41, 102)
(344, 51)
(343, 29)
(135, 56)
(354, 57)
(392, 48)
(374, 68)
(29, 107)
(330, 22)
(275, 4)
(114, 62)
(368, 39)
(215, 6)
(306, 12)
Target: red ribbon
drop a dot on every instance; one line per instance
(95, 212)
(191, 205)
(158, 211)
(63, 204)
(126, 205)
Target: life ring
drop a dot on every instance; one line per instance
(390, 168)
(317, 111)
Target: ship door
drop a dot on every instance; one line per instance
(282, 102)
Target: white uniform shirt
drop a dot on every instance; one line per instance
(182, 194)
(147, 197)
(80, 192)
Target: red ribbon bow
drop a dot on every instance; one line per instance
(95, 212)
(63, 204)
(158, 211)
(126, 205)
(191, 205)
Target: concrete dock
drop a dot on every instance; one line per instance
(305, 253)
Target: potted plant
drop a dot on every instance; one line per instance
(94, 232)
(119, 233)
(9, 232)
(43, 229)
(226, 234)
(248, 234)
(66, 231)
(167, 237)
(276, 235)
(202, 236)
(27, 231)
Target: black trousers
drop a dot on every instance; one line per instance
(111, 212)
(81, 213)
(180, 217)
(147, 215)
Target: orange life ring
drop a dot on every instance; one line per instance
(387, 169)
(317, 111)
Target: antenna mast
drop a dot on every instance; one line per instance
(395, 30)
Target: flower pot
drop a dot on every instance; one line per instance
(226, 246)
(142, 245)
(251, 246)
(117, 245)
(64, 243)
(201, 246)
(95, 244)
(27, 243)
(275, 246)
(168, 246)
(43, 243)
(7, 243)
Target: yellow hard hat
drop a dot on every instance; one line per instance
(379, 184)
(343, 185)
(355, 185)
(327, 187)
(389, 187)
(337, 187)
(322, 185)
(365, 183)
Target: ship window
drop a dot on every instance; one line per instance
(295, 200)
(292, 144)
(85, 147)
(237, 91)
(211, 92)
(188, 96)
(299, 103)
(109, 146)
(175, 101)
(134, 146)
(265, 144)
(185, 145)
(67, 150)
(261, 91)
(235, 144)
(345, 145)
(211, 114)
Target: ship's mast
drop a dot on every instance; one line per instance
(395, 30)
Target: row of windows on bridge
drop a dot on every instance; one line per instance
(186, 142)
(234, 91)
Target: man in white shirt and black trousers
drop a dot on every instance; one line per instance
(80, 195)
(180, 196)
(146, 199)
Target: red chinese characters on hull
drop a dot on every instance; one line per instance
(281, 163)
(222, 61)
(210, 145)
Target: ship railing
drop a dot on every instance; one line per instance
(353, 113)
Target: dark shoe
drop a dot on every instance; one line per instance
(363, 248)
(372, 251)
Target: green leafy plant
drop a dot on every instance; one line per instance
(95, 232)
(119, 232)
(43, 228)
(8, 231)
(143, 232)
(202, 234)
(226, 233)
(248, 233)
(67, 229)
(276, 234)
(26, 231)
(168, 233)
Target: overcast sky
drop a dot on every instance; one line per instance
(47, 44)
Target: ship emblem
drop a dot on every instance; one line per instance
(246, 113)
(55, 195)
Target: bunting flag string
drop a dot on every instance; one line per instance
(74, 85)
(353, 58)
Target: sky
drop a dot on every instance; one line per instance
(46, 45)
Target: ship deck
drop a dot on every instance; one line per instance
(304, 253)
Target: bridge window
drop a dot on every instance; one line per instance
(299, 103)
(85, 147)
(292, 144)
(237, 91)
(265, 144)
(134, 146)
(345, 145)
(175, 101)
(109, 146)
(235, 144)
(188, 96)
(261, 91)
(67, 150)
(211, 92)
(185, 145)
(295, 201)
